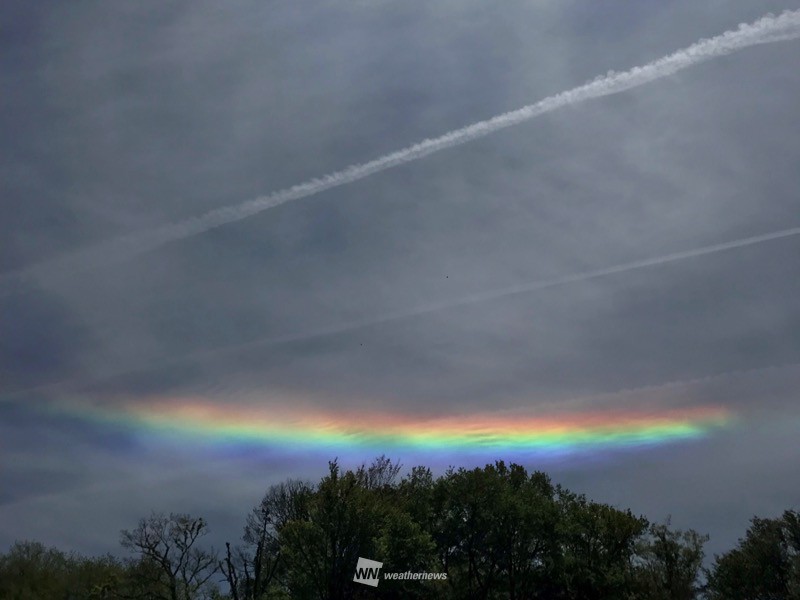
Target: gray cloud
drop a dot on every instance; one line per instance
(123, 119)
(768, 29)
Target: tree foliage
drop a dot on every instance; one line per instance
(31, 571)
(764, 566)
(670, 562)
(497, 532)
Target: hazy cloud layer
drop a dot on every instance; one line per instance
(120, 119)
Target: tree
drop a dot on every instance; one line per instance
(169, 556)
(669, 563)
(495, 530)
(352, 514)
(322, 549)
(31, 571)
(765, 564)
(251, 569)
(598, 548)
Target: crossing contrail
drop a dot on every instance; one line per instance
(768, 29)
(524, 288)
(420, 310)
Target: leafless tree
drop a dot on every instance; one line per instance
(183, 570)
(381, 473)
(250, 569)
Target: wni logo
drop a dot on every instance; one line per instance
(368, 571)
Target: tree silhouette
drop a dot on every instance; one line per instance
(169, 544)
(497, 532)
(765, 564)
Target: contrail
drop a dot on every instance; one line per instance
(768, 29)
(524, 288)
(422, 310)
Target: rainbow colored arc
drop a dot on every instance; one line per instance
(483, 433)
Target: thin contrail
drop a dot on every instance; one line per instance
(524, 288)
(768, 29)
(426, 309)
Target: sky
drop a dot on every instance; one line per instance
(607, 291)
